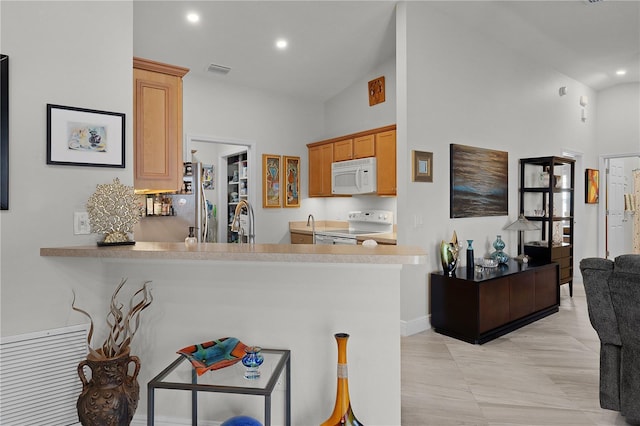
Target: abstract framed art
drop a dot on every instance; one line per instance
(479, 182)
(592, 186)
(271, 194)
(85, 137)
(292, 184)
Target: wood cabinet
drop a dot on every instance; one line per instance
(478, 307)
(157, 125)
(379, 143)
(386, 162)
(364, 146)
(320, 159)
(300, 238)
(547, 199)
(343, 150)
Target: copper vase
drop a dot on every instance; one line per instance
(110, 398)
(342, 412)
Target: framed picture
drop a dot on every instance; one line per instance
(4, 132)
(592, 186)
(292, 175)
(421, 166)
(271, 196)
(85, 137)
(479, 182)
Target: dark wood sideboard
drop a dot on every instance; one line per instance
(479, 306)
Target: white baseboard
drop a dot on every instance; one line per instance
(414, 326)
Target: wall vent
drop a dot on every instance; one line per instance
(218, 69)
(39, 376)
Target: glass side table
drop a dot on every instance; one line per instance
(226, 380)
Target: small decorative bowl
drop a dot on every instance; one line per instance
(487, 262)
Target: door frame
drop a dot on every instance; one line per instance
(602, 213)
(252, 168)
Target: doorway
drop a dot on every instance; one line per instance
(213, 153)
(616, 220)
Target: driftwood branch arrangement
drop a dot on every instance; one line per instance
(122, 326)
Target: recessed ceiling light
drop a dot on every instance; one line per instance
(281, 44)
(621, 72)
(193, 17)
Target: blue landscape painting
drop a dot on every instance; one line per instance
(479, 182)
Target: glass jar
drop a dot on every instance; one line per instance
(252, 361)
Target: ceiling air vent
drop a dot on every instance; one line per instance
(218, 69)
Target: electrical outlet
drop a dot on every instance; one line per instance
(81, 224)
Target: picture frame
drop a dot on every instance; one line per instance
(4, 132)
(479, 182)
(292, 181)
(85, 137)
(592, 186)
(271, 193)
(421, 166)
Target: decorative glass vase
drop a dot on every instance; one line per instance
(449, 255)
(470, 262)
(252, 360)
(342, 412)
(499, 255)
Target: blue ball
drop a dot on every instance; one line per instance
(241, 421)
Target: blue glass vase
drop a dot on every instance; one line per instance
(499, 255)
(470, 254)
(252, 360)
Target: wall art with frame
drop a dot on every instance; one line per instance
(271, 194)
(292, 185)
(479, 182)
(4, 132)
(592, 186)
(422, 166)
(85, 137)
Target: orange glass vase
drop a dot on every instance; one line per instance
(342, 412)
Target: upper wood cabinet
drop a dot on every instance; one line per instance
(379, 143)
(320, 159)
(157, 125)
(343, 150)
(386, 162)
(364, 147)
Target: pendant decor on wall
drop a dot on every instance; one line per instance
(479, 182)
(376, 91)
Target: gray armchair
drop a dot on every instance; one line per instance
(595, 276)
(613, 301)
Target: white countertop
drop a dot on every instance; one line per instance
(381, 254)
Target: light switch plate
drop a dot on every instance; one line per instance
(81, 224)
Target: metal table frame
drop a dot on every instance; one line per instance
(283, 364)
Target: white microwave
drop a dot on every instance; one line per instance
(354, 177)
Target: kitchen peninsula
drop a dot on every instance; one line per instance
(284, 296)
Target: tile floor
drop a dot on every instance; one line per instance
(545, 373)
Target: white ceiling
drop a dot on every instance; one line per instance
(334, 43)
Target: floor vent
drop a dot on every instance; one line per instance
(39, 376)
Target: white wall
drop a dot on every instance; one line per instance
(278, 125)
(466, 89)
(618, 119)
(74, 54)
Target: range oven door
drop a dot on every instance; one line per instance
(334, 240)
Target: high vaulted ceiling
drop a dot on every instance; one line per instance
(334, 43)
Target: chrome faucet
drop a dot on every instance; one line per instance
(235, 223)
(313, 226)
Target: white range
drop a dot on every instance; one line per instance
(360, 223)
